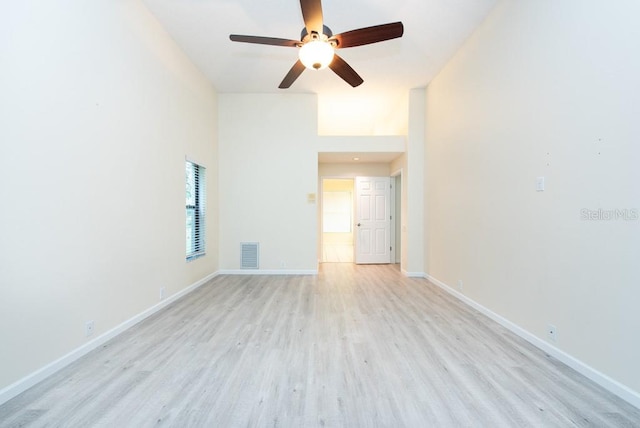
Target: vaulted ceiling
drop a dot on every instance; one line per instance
(433, 31)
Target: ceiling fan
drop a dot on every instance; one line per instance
(318, 44)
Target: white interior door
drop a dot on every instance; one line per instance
(373, 223)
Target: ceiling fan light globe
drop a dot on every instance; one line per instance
(316, 54)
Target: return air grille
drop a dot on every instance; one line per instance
(249, 255)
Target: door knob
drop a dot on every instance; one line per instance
(358, 224)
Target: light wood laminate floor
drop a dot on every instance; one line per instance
(356, 346)
(338, 253)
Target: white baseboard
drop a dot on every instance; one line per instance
(413, 274)
(268, 272)
(613, 386)
(41, 374)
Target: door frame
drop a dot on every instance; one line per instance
(396, 224)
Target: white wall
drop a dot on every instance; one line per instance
(97, 113)
(353, 170)
(413, 186)
(268, 168)
(543, 88)
(358, 112)
(354, 144)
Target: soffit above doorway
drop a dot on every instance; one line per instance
(348, 157)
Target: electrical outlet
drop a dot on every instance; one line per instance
(460, 285)
(552, 333)
(162, 293)
(283, 264)
(88, 328)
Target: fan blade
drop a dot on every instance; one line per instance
(344, 70)
(312, 15)
(292, 75)
(264, 40)
(366, 36)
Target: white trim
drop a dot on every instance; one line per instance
(613, 386)
(413, 274)
(397, 223)
(392, 219)
(268, 272)
(41, 374)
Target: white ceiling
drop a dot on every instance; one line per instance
(433, 31)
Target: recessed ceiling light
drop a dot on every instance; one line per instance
(356, 159)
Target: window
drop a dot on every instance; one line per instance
(195, 204)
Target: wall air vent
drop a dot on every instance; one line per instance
(249, 255)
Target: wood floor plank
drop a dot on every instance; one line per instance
(355, 346)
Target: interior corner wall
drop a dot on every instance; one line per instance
(268, 171)
(543, 89)
(98, 110)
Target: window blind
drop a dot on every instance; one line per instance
(195, 209)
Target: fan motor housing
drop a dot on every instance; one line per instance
(326, 34)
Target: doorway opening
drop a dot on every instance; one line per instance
(337, 220)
